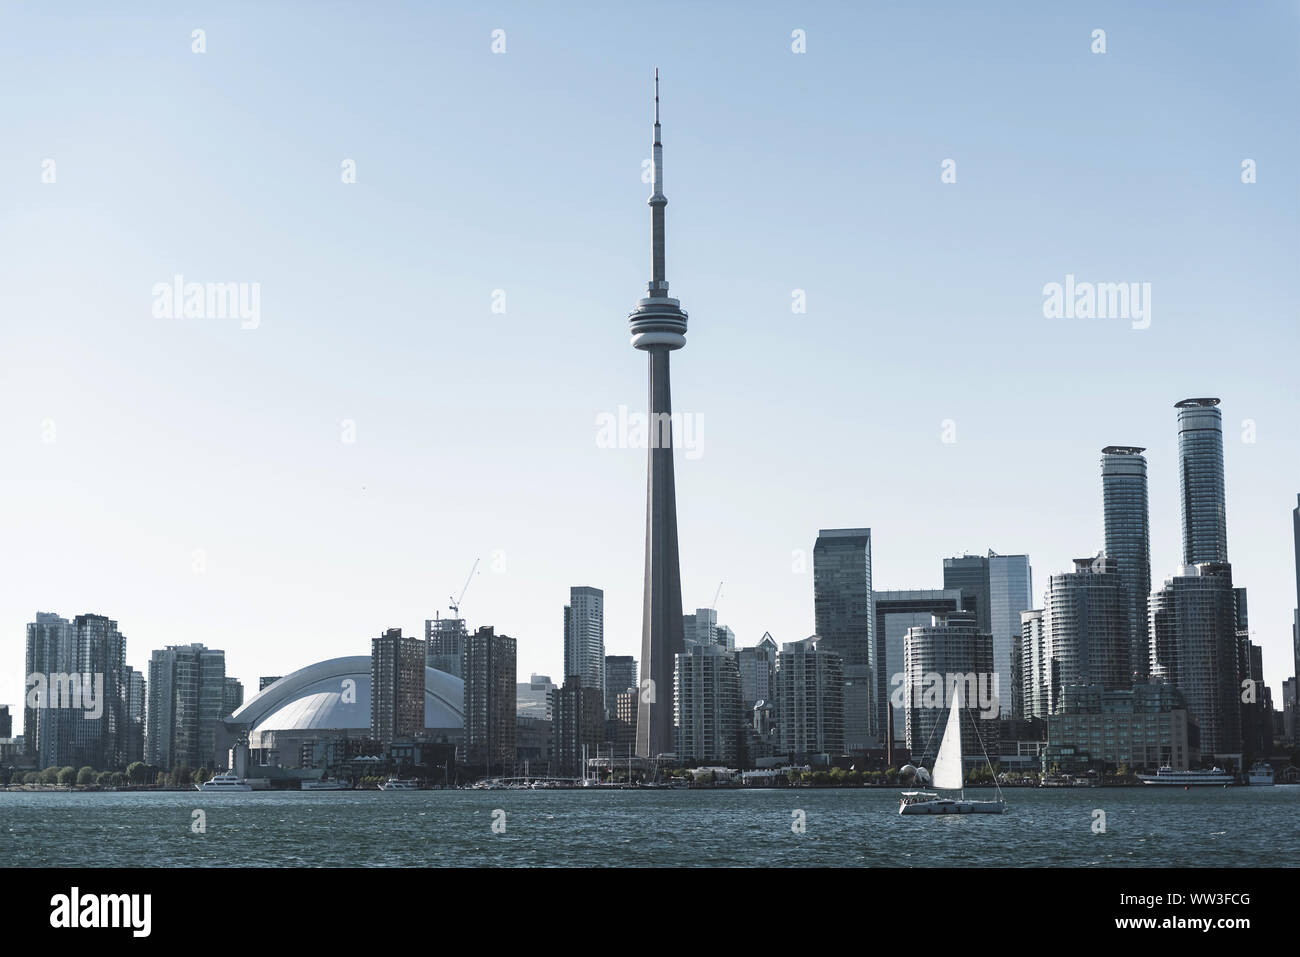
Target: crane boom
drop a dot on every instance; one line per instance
(455, 602)
(715, 596)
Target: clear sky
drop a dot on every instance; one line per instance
(189, 478)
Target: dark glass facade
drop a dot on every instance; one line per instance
(1128, 540)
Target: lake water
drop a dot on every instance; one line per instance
(1233, 827)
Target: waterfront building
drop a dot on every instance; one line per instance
(1192, 621)
(265, 681)
(136, 707)
(952, 650)
(1127, 521)
(845, 624)
(809, 700)
(1145, 726)
(1088, 627)
(706, 699)
(186, 691)
(489, 669)
(579, 725)
(397, 686)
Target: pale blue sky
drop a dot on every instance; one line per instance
(476, 431)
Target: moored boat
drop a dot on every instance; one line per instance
(1167, 776)
(225, 781)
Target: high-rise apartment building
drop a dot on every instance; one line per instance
(1126, 517)
(1200, 476)
(397, 686)
(1088, 628)
(584, 636)
(757, 672)
(809, 699)
(706, 701)
(953, 648)
(896, 612)
(1192, 621)
(490, 667)
(186, 694)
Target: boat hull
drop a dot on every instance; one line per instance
(953, 807)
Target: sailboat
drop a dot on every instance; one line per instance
(947, 775)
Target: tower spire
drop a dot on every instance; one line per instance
(658, 280)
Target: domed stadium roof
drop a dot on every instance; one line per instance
(312, 698)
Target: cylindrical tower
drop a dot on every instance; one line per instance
(1200, 473)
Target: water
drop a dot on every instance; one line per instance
(1234, 827)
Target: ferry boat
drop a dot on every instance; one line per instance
(326, 784)
(1168, 776)
(1261, 774)
(947, 775)
(399, 784)
(225, 781)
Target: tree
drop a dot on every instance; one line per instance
(137, 772)
(50, 775)
(31, 777)
(67, 777)
(86, 776)
(201, 775)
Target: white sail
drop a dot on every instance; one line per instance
(947, 766)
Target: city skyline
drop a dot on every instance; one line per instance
(236, 516)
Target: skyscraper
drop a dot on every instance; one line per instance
(658, 326)
(897, 611)
(620, 675)
(444, 644)
(1200, 475)
(1087, 628)
(1295, 622)
(809, 699)
(950, 645)
(706, 696)
(970, 573)
(396, 686)
(186, 691)
(490, 699)
(1128, 540)
(845, 622)
(1194, 648)
(87, 658)
(584, 636)
(1011, 585)
(1035, 665)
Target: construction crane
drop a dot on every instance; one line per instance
(455, 602)
(714, 606)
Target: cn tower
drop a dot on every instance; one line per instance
(658, 326)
